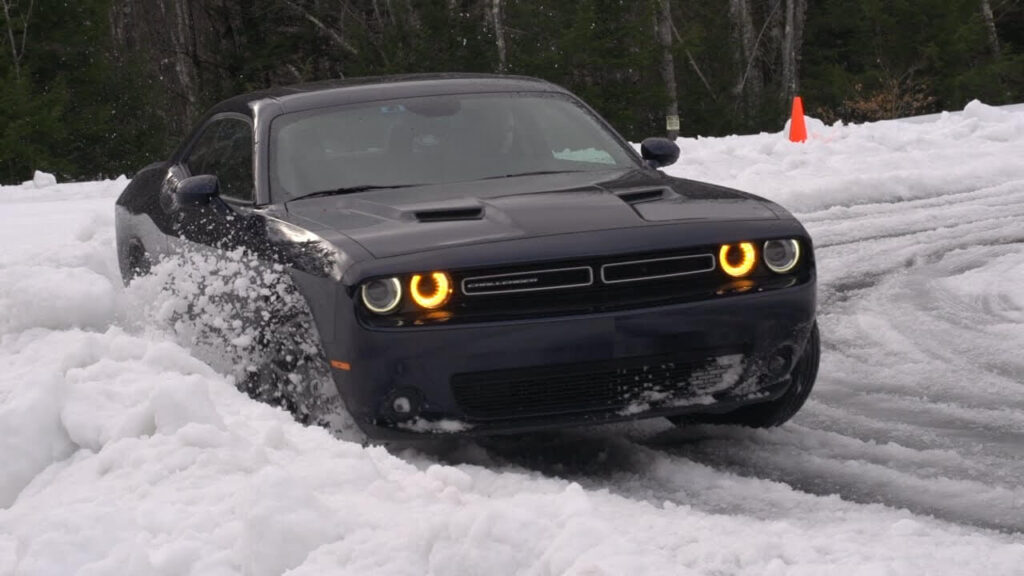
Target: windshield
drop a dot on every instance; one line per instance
(436, 140)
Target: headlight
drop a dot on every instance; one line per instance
(781, 256)
(430, 293)
(382, 295)
(737, 260)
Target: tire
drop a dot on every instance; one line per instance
(775, 412)
(293, 373)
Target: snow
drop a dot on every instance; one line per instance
(41, 180)
(126, 448)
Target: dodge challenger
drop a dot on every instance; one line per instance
(485, 254)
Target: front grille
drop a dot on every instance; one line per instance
(551, 279)
(599, 284)
(583, 286)
(593, 387)
(656, 268)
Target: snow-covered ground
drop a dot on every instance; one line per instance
(121, 452)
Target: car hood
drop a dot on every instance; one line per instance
(408, 220)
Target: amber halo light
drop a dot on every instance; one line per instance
(737, 260)
(430, 294)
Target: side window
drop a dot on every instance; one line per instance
(235, 171)
(202, 156)
(225, 150)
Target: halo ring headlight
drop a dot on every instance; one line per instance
(746, 263)
(781, 256)
(428, 298)
(383, 295)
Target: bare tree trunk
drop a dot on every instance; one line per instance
(183, 42)
(663, 27)
(792, 41)
(10, 35)
(750, 79)
(412, 17)
(693, 64)
(499, 35)
(990, 24)
(17, 53)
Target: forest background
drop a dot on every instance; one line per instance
(97, 88)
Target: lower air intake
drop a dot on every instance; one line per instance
(593, 387)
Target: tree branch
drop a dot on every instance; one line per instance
(693, 63)
(10, 34)
(24, 28)
(750, 62)
(330, 33)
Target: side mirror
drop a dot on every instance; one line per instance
(196, 190)
(659, 152)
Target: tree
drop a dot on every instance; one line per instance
(16, 25)
(68, 106)
(990, 25)
(792, 44)
(663, 27)
(102, 86)
(748, 81)
(499, 35)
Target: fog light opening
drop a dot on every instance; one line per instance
(403, 404)
(780, 363)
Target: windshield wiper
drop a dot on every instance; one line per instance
(537, 173)
(352, 189)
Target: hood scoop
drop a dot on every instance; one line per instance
(449, 214)
(639, 196)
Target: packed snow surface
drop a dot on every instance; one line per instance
(123, 452)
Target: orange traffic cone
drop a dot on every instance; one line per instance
(797, 126)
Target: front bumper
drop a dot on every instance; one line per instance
(425, 364)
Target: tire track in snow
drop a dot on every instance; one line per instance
(920, 400)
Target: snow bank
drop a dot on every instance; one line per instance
(124, 452)
(918, 227)
(41, 180)
(882, 162)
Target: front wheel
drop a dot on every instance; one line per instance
(779, 411)
(137, 262)
(289, 366)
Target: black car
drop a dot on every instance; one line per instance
(485, 254)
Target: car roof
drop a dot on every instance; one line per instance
(306, 96)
